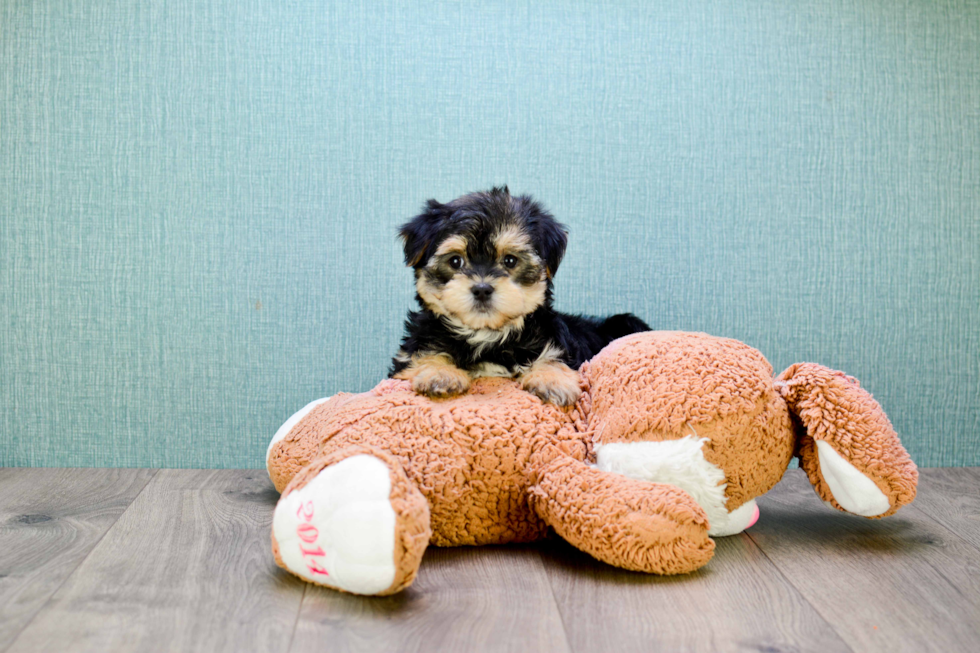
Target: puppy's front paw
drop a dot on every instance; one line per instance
(435, 375)
(554, 383)
(441, 381)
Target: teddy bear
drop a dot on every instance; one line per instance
(673, 438)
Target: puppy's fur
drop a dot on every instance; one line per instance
(484, 265)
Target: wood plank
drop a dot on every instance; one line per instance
(50, 519)
(187, 567)
(738, 602)
(951, 496)
(464, 599)
(904, 583)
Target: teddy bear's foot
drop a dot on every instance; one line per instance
(352, 521)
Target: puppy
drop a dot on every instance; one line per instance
(484, 265)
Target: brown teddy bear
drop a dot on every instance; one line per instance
(673, 438)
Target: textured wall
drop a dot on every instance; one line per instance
(198, 197)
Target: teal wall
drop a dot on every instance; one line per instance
(199, 197)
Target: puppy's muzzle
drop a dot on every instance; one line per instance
(482, 292)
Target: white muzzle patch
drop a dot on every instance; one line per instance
(680, 463)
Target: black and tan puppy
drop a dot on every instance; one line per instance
(484, 265)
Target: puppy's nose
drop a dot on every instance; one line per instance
(482, 291)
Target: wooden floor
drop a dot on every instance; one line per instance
(179, 560)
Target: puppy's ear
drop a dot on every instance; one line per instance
(552, 238)
(419, 233)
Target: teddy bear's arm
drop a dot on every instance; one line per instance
(650, 527)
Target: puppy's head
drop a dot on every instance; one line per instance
(485, 259)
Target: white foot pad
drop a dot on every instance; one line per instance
(339, 529)
(855, 492)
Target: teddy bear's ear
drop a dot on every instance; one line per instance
(846, 444)
(420, 234)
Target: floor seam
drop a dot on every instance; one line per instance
(299, 611)
(941, 522)
(798, 591)
(551, 588)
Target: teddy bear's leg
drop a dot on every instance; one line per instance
(651, 527)
(846, 444)
(352, 520)
(283, 459)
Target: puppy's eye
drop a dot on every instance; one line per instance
(509, 261)
(456, 262)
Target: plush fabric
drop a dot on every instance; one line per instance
(497, 465)
(824, 400)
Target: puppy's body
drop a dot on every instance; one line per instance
(484, 265)
(578, 337)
